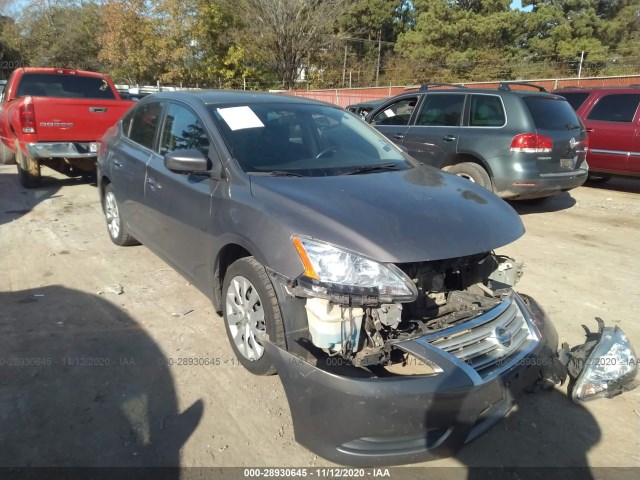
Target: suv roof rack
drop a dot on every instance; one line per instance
(573, 87)
(505, 86)
(427, 86)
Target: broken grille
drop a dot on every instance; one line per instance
(491, 342)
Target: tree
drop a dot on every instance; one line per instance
(58, 33)
(287, 34)
(463, 40)
(133, 48)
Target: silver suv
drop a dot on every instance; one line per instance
(521, 144)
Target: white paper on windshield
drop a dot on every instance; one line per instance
(389, 113)
(240, 117)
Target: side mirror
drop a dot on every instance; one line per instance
(186, 161)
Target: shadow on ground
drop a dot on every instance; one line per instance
(617, 184)
(18, 201)
(546, 430)
(83, 385)
(555, 203)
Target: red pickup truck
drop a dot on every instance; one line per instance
(56, 117)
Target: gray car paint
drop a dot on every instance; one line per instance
(412, 215)
(440, 146)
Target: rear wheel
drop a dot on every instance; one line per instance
(28, 169)
(250, 310)
(472, 172)
(115, 225)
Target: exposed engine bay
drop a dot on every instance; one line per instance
(450, 292)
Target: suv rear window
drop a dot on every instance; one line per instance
(64, 86)
(575, 99)
(550, 113)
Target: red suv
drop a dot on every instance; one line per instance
(612, 118)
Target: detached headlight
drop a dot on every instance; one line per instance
(332, 270)
(604, 370)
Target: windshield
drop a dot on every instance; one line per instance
(575, 99)
(303, 140)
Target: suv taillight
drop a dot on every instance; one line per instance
(531, 143)
(27, 118)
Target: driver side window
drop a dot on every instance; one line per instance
(397, 113)
(182, 130)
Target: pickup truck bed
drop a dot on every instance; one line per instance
(56, 117)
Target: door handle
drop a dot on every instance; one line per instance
(153, 184)
(449, 138)
(591, 129)
(117, 164)
(97, 109)
(398, 136)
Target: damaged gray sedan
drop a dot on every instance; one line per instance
(368, 281)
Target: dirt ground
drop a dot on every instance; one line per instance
(88, 332)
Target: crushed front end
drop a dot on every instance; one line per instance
(383, 376)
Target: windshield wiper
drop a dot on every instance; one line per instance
(373, 168)
(278, 173)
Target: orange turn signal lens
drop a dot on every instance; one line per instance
(309, 271)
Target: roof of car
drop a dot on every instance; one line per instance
(219, 97)
(72, 71)
(370, 103)
(493, 91)
(616, 88)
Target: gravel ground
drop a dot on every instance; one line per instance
(92, 337)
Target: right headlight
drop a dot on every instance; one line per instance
(330, 269)
(607, 370)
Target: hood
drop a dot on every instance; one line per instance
(414, 215)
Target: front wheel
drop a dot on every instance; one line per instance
(251, 310)
(115, 225)
(472, 172)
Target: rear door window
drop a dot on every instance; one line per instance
(486, 111)
(615, 108)
(398, 113)
(64, 86)
(575, 99)
(441, 110)
(551, 113)
(144, 124)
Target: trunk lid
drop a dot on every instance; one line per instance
(554, 117)
(76, 119)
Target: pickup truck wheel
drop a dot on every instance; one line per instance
(115, 225)
(472, 172)
(28, 169)
(251, 309)
(7, 157)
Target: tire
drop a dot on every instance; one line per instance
(598, 179)
(28, 169)
(472, 172)
(250, 306)
(7, 157)
(115, 225)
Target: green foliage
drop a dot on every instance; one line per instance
(60, 33)
(258, 44)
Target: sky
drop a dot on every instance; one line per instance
(517, 5)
